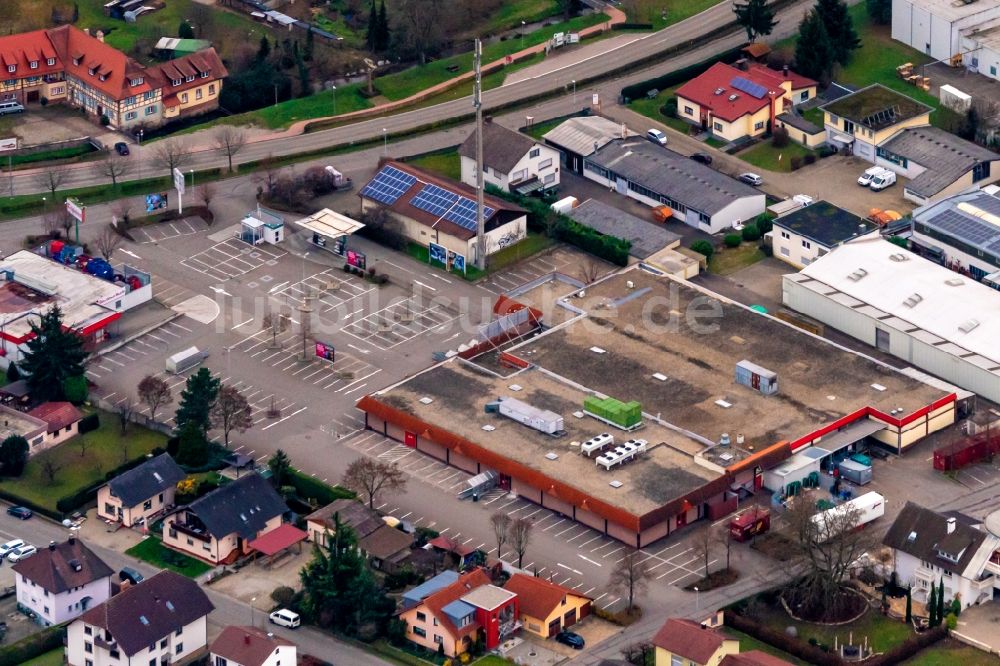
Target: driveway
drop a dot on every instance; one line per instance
(757, 284)
(980, 87)
(41, 125)
(978, 626)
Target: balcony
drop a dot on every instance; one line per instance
(194, 531)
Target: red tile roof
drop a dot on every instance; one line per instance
(437, 601)
(537, 596)
(444, 543)
(247, 646)
(82, 54)
(714, 88)
(206, 61)
(689, 639)
(58, 415)
(23, 48)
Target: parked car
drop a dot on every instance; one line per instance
(703, 158)
(657, 137)
(865, 179)
(882, 180)
(20, 512)
(131, 575)
(121, 148)
(22, 553)
(10, 107)
(8, 547)
(751, 179)
(572, 639)
(285, 618)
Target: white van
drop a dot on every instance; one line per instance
(865, 179)
(883, 180)
(10, 107)
(285, 618)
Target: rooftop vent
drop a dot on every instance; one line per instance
(551, 456)
(878, 387)
(489, 428)
(899, 256)
(857, 275)
(598, 350)
(515, 387)
(912, 537)
(733, 97)
(955, 282)
(719, 91)
(142, 618)
(615, 484)
(912, 300)
(75, 565)
(426, 401)
(659, 375)
(170, 605)
(968, 326)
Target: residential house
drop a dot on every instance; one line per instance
(512, 161)
(62, 581)
(440, 214)
(452, 610)
(697, 194)
(577, 138)
(62, 421)
(869, 117)
(681, 642)
(142, 492)
(939, 28)
(250, 646)
(929, 547)
(800, 237)
(16, 422)
(385, 547)
(738, 102)
(219, 526)
(546, 607)
(963, 233)
(161, 620)
(71, 65)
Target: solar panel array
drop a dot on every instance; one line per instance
(445, 204)
(970, 230)
(388, 185)
(464, 213)
(749, 87)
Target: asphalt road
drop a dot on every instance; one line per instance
(560, 79)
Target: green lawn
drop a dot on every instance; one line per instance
(512, 12)
(50, 155)
(152, 550)
(748, 642)
(766, 156)
(51, 658)
(531, 245)
(950, 652)
(728, 260)
(715, 143)
(80, 468)
(346, 98)
(814, 115)
(662, 14)
(882, 632)
(651, 109)
(492, 660)
(446, 163)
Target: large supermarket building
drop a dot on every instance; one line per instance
(673, 348)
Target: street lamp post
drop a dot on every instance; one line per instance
(192, 179)
(334, 89)
(522, 35)
(574, 90)
(385, 141)
(697, 599)
(253, 600)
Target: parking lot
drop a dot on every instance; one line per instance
(151, 348)
(232, 258)
(559, 260)
(155, 233)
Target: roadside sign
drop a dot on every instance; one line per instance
(75, 210)
(179, 181)
(325, 351)
(8, 144)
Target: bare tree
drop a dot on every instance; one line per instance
(122, 212)
(422, 25)
(372, 477)
(51, 222)
(107, 242)
(154, 392)
(66, 220)
(501, 523)
(81, 442)
(113, 166)
(206, 193)
(51, 180)
(519, 535)
(826, 547)
(49, 468)
(125, 409)
(229, 141)
(172, 154)
(724, 538)
(267, 175)
(702, 542)
(590, 270)
(631, 577)
(276, 323)
(231, 411)
(636, 653)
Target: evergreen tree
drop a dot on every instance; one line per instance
(264, 50)
(13, 455)
(371, 35)
(839, 28)
(280, 465)
(185, 31)
(755, 17)
(192, 448)
(940, 602)
(76, 13)
(308, 53)
(53, 355)
(932, 606)
(909, 605)
(13, 374)
(813, 51)
(305, 87)
(382, 43)
(879, 11)
(197, 399)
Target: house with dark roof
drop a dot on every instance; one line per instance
(734, 102)
(512, 161)
(162, 620)
(807, 233)
(864, 119)
(929, 547)
(219, 526)
(62, 421)
(250, 646)
(576, 138)
(440, 214)
(547, 608)
(320, 524)
(451, 610)
(687, 642)
(62, 581)
(135, 496)
(696, 194)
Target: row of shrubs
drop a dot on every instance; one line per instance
(308, 487)
(750, 233)
(33, 646)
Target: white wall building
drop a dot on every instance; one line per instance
(62, 581)
(805, 234)
(905, 305)
(512, 161)
(161, 620)
(935, 27)
(963, 232)
(250, 646)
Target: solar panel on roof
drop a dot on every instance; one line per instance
(971, 230)
(435, 200)
(749, 87)
(388, 185)
(464, 214)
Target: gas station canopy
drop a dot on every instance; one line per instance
(328, 223)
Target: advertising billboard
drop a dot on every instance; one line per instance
(8, 144)
(325, 351)
(75, 210)
(438, 253)
(179, 181)
(156, 201)
(356, 259)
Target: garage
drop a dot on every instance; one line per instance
(569, 619)
(554, 627)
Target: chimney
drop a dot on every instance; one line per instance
(86, 31)
(246, 639)
(741, 64)
(784, 70)
(52, 545)
(100, 36)
(72, 538)
(951, 525)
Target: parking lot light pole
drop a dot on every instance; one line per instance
(385, 142)
(333, 89)
(252, 601)
(574, 90)
(697, 599)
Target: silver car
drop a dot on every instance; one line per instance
(751, 179)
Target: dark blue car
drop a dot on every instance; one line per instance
(19, 512)
(571, 639)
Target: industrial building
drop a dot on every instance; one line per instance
(652, 405)
(31, 284)
(868, 117)
(578, 138)
(940, 28)
(907, 306)
(963, 233)
(809, 232)
(698, 195)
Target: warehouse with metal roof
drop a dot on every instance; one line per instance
(698, 195)
(907, 306)
(578, 138)
(963, 232)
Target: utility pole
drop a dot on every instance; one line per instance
(477, 101)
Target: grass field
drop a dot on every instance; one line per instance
(446, 163)
(79, 468)
(510, 15)
(748, 642)
(814, 115)
(651, 109)
(662, 14)
(882, 632)
(766, 156)
(492, 660)
(152, 550)
(950, 652)
(51, 658)
(50, 155)
(728, 260)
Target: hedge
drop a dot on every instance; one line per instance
(20, 501)
(908, 648)
(307, 487)
(780, 640)
(671, 79)
(33, 646)
(90, 422)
